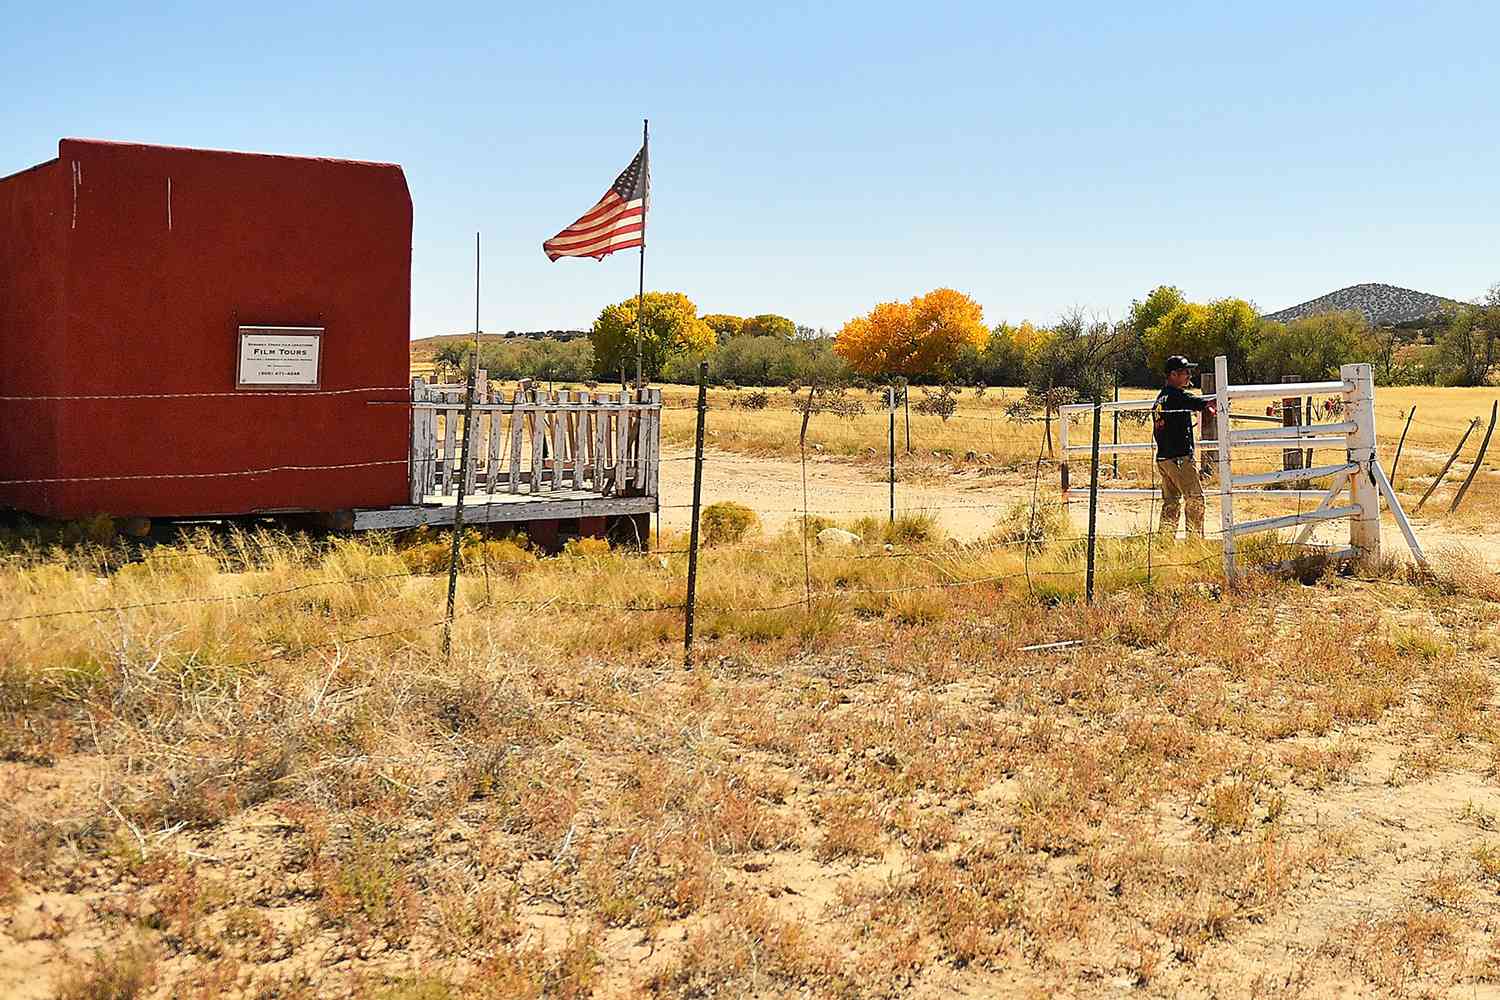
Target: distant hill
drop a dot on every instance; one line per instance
(1382, 305)
(426, 348)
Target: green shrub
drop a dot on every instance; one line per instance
(727, 522)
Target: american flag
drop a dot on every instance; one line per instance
(617, 222)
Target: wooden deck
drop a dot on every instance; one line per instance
(537, 456)
(500, 508)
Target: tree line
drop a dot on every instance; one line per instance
(940, 338)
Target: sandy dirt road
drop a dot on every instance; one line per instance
(967, 504)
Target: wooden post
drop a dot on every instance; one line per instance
(1478, 461)
(890, 405)
(417, 464)
(1396, 462)
(1208, 427)
(1225, 467)
(1359, 399)
(1473, 423)
(1307, 456)
(692, 579)
(1064, 470)
(1291, 416)
(1093, 502)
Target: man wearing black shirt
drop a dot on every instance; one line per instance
(1172, 423)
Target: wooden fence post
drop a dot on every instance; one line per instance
(1473, 423)
(1364, 527)
(1478, 461)
(1291, 416)
(1208, 426)
(1396, 462)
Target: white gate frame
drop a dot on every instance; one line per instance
(1360, 473)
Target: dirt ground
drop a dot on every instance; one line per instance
(966, 501)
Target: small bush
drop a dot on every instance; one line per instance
(120, 975)
(755, 400)
(587, 547)
(1047, 522)
(727, 522)
(912, 529)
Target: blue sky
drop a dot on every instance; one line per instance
(814, 159)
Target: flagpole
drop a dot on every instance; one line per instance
(640, 297)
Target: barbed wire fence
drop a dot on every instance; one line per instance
(1032, 541)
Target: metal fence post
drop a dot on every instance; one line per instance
(692, 580)
(890, 405)
(1093, 501)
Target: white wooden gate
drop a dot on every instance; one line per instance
(1359, 475)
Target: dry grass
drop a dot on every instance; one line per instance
(295, 795)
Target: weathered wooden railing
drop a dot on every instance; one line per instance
(536, 441)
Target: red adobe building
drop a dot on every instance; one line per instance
(191, 332)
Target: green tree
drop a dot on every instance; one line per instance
(724, 325)
(451, 362)
(1312, 348)
(1466, 348)
(769, 325)
(1202, 331)
(671, 326)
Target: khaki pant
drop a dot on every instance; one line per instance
(1179, 480)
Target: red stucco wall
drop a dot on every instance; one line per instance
(33, 245)
(151, 305)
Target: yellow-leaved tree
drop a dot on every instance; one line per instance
(922, 337)
(671, 326)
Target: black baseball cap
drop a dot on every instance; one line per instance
(1177, 361)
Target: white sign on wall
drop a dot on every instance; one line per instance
(280, 356)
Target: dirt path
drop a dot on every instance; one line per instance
(967, 503)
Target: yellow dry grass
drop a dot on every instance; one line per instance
(295, 795)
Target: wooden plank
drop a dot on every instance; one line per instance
(494, 461)
(486, 513)
(1292, 520)
(580, 432)
(1252, 434)
(622, 431)
(1395, 506)
(538, 429)
(517, 426)
(1287, 475)
(1287, 389)
(1334, 489)
(601, 432)
(450, 435)
(417, 459)
(653, 481)
(559, 454)
(642, 447)
(429, 423)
